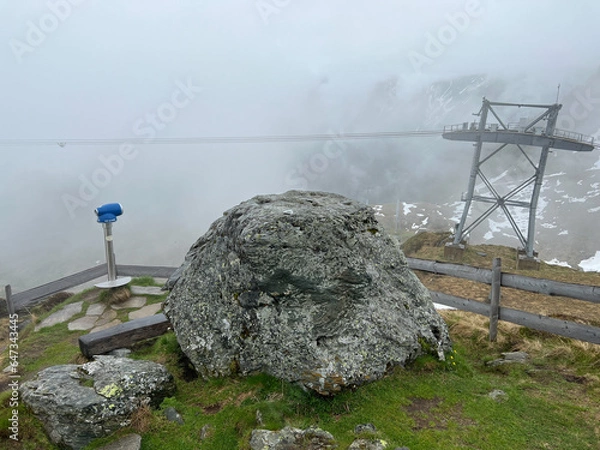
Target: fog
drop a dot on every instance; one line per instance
(113, 70)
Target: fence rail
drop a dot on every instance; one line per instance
(495, 312)
(530, 284)
(31, 297)
(496, 278)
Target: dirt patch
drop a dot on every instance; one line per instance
(213, 409)
(431, 414)
(243, 396)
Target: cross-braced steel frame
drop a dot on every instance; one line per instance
(507, 136)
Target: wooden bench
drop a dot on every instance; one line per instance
(123, 335)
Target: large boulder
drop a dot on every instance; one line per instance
(78, 403)
(305, 286)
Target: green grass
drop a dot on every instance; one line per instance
(553, 402)
(145, 281)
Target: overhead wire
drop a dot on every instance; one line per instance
(258, 139)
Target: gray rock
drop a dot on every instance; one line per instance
(206, 431)
(510, 358)
(498, 395)
(129, 442)
(365, 428)
(516, 356)
(120, 352)
(292, 439)
(77, 404)
(322, 296)
(368, 444)
(173, 416)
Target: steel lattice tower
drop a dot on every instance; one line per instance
(539, 132)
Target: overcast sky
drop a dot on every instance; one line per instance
(156, 69)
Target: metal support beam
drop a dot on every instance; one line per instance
(498, 200)
(473, 177)
(539, 175)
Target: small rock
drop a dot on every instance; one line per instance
(291, 439)
(368, 444)
(129, 442)
(365, 428)
(259, 418)
(510, 358)
(206, 431)
(516, 356)
(172, 415)
(120, 352)
(498, 395)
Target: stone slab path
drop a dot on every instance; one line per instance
(61, 316)
(99, 316)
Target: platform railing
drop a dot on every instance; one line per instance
(519, 127)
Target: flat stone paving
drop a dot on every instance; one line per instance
(146, 311)
(61, 316)
(100, 317)
(147, 290)
(133, 302)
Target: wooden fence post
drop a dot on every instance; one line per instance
(10, 308)
(495, 298)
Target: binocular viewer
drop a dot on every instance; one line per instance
(108, 212)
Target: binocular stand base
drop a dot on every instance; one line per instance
(120, 281)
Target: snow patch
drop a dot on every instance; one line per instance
(591, 264)
(440, 306)
(556, 262)
(563, 232)
(378, 209)
(406, 208)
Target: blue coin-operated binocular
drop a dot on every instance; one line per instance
(108, 212)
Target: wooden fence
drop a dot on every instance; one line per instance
(30, 297)
(496, 279)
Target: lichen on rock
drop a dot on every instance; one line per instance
(78, 403)
(305, 286)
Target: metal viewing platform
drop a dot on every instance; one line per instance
(515, 133)
(540, 132)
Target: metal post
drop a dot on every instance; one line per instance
(473, 176)
(539, 177)
(10, 308)
(110, 254)
(495, 298)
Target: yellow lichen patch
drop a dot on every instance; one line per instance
(110, 390)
